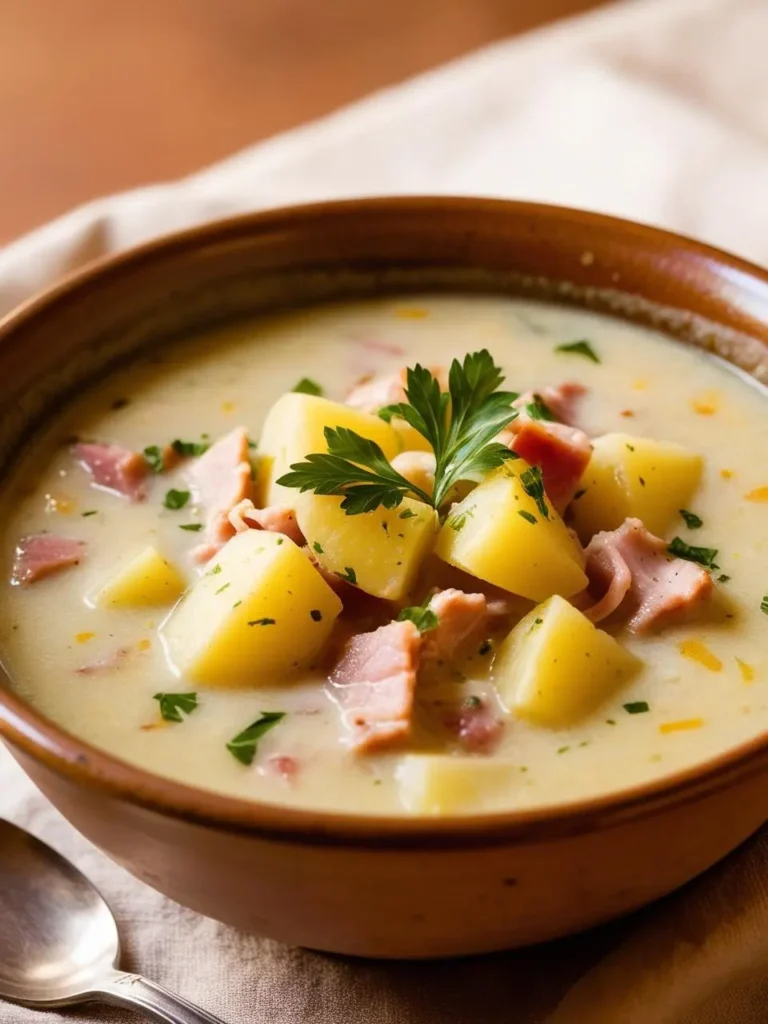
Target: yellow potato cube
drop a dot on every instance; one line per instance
(441, 784)
(259, 611)
(556, 667)
(499, 534)
(409, 439)
(294, 429)
(383, 549)
(145, 581)
(635, 476)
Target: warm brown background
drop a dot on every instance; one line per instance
(102, 95)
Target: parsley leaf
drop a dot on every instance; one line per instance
(243, 746)
(307, 387)
(349, 574)
(529, 518)
(637, 707)
(255, 622)
(154, 456)
(579, 348)
(192, 527)
(173, 704)
(176, 499)
(317, 546)
(189, 449)
(538, 409)
(533, 485)
(692, 521)
(460, 425)
(702, 556)
(421, 615)
(764, 605)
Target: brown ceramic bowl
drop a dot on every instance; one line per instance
(385, 887)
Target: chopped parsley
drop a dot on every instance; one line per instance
(473, 702)
(214, 571)
(562, 750)
(154, 457)
(579, 348)
(636, 707)
(90, 512)
(610, 721)
(538, 409)
(222, 588)
(317, 547)
(349, 574)
(261, 622)
(243, 746)
(176, 499)
(485, 648)
(692, 521)
(316, 615)
(630, 447)
(702, 556)
(764, 605)
(723, 578)
(422, 616)
(192, 527)
(580, 494)
(307, 387)
(458, 522)
(189, 449)
(173, 704)
(407, 513)
(528, 516)
(533, 485)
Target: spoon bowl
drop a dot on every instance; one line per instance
(59, 942)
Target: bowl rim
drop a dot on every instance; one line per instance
(37, 737)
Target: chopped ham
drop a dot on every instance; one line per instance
(106, 664)
(561, 452)
(632, 573)
(478, 728)
(275, 518)
(374, 683)
(284, 765)
(460, 617)
(41, 554)
(560, 399)
(221, 478)
(115, 468)
(372, 394)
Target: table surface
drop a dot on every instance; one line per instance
(102, 95)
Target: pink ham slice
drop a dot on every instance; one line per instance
(374, 683)
(275, 518)
(460, 617)
(561, 452)
(42, 554)
(633, 574)
(221, 478)
(115, 468)
(561, 400)
(371, 395)
(477, 726)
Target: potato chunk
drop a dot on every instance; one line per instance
(260, 610)
(146, 580)
(635, 477)
(294, 429)
(498, 534)
(384, 549)
(555, 666)
(441, 784)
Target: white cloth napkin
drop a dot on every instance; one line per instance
(656, 111)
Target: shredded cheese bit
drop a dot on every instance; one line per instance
(84, 637)
(747, 672)
(160, 724)
(697, 651)
(150, 623)
(682, 725)
(411, 313)
(640, 385)
(707, 403)
(62, 505)
(143, 645)
(759, 494)
(727, 474)
(227, 406)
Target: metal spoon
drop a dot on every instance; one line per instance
(59, 942)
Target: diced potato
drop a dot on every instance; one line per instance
(146, 580)
(384, 549)
(260, 610)
(498, 534)
(441, 784)
(555, 666)
(409, 439)
(418, 468)
(294, 429)
(635, 476)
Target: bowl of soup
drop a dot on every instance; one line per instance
(389, 577)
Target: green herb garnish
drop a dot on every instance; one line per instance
(244, 745)
(692, 521)
(702, 556)
(308, 387)
(154, 457)
(317, 548)
(176, 499)
(764, 605)
(407, 513)
(528, 516)
(261, 622)
(349, 574)
(421, 615)
(636, 707)
(459, 424)
(222, 588)
(579, 348)
(316, 615)
(90, 512)
(722, 578)
(533, 485)
(473, 702)
(173, 704)
(192, 527)
(538, 409)
(189, 449)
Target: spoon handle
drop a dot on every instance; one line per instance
(158, 1004)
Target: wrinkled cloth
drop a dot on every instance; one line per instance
(656, 111)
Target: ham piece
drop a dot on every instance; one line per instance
(477, 726)
(374, 683)
(221, 479)
(115, 468)
(561, 452)
(561, 400)
(460, 617)
(275, 518)
(371, 395)
(41, 554)
(633, 574)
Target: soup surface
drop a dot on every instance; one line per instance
(495, 723)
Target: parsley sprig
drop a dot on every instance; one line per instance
(459, 424)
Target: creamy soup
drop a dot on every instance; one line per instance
(561, 676)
